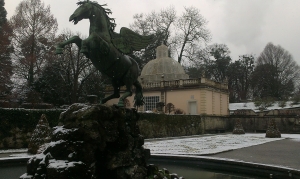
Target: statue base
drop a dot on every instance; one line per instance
(93, 142)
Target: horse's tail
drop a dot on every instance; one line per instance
(138, 98)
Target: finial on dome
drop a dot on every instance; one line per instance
(161, 51)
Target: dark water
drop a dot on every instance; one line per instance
(195, 172)
(12, 171)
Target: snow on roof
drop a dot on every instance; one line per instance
(251, 106)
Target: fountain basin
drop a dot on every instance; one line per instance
(191, 167)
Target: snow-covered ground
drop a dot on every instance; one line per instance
(13, 151)
(193, 145)
(204, 145)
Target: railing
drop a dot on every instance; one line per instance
(174, 83)
(183, 83)
(189, 82)
(151, 85)
(177, 84)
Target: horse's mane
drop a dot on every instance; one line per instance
(111, 21)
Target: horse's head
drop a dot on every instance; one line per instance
(84, 11)
(88, 10)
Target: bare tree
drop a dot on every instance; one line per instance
(285, 71)
(34, 29)
(157, 23)
(183, 34)
(191, 31)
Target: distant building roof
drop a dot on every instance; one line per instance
(163, 68)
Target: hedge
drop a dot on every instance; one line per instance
(25, 119)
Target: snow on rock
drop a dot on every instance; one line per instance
(26, 176)
(62, 164)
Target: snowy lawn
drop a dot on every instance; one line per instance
(194, 145)
(204, 145)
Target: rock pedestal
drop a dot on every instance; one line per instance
(238, 128)
(273, 131)
(92, 142)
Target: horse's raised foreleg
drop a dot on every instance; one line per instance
(75, 39)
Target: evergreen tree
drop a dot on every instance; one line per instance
(217, 68)
(5, 50)
(239, 73)
(41, 135)
(3, 13)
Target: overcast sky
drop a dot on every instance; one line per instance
(245, 26)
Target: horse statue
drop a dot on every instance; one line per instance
(108, 50)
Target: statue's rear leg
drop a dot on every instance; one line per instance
(127, 93)
(139, 98)
(116, 94)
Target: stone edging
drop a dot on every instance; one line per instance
(230, 165)
(14, 160)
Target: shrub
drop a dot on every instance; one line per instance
(178, 111)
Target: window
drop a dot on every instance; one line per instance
(150, 102)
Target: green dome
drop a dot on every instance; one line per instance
(162, 66)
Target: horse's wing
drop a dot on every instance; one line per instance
(129, 41)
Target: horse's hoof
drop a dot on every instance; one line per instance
(120, 104)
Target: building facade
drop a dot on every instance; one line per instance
(164, 81)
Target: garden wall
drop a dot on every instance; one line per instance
(160, 125)
(17, 125)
